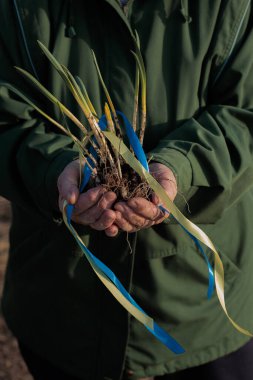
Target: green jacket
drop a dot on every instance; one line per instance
(198, 56)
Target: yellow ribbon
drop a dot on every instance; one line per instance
(187, 224)
(138, 314)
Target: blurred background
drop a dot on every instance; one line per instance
(12, 366)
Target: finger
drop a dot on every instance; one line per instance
(166, 179)
(155, 199)
(126, 226)
(122, 223)
(92, 214)
(169, 187)
(88, 199)
(68, 182)
(112, 231)
(70, 200)
(133, 218)
(161, 218)
(145, 208)
(105, 221)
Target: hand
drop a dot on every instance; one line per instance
(93, 207)
(139, 213)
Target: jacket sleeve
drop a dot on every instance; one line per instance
(211, 154)
(31, 154)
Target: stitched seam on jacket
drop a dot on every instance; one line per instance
(228, 49)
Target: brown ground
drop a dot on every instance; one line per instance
(12, 366)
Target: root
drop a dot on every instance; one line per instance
(128, 186)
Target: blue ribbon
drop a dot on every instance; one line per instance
(211, 280)
(157, 331)
(139, 152)
(134, 142)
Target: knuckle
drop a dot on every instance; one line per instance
(91, 216)
(102, 203)
(120, 222)
(118, 215)
(133, 203)
(119, 207)
(91, 197)
(109, 214)
(111, 196)
(85, 218)
(138, 222)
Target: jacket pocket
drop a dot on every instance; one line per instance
(180, 254)
(231, 270)
(161, 240)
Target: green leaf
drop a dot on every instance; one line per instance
(44, 114)
(51, 58)
(85, 94)
(68, 79)
(103, 85)
(51, 97)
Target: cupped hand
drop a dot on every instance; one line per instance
(138, 213)
(93, 207)
(97, 208)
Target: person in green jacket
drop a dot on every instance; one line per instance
(199, 63)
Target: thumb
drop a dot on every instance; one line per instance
(170, 187)
(166, 179)
(68, 183)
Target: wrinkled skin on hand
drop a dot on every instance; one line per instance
(100, 210)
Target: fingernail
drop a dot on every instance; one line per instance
(118, 207)
(71, 198)
(155, 199)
